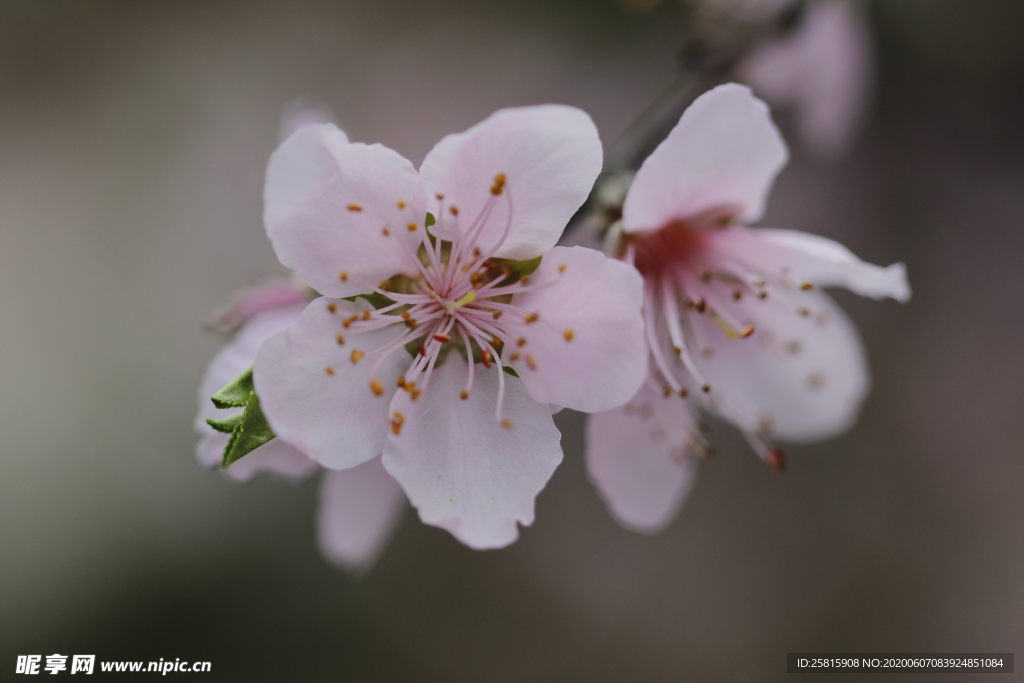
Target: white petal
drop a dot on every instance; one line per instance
(550, 155)
(327, 203)
(359, 510)
(333, 418)
(725, 151)
(641, 459)
(276, 457)
(812, 259)
(462, 470)
(797, 378)
(586, 351)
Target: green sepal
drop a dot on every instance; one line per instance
(227, 425)
(429, 220)
(249, 429)
(510, 371)
(520, 268)
(236, 394)
(251, 432)
(375, 299)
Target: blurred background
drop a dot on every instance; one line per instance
(133, 141)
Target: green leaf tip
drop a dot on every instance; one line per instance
(251, 432)
(237, 392)
(227, 425)
(429, 220)
(248, 429)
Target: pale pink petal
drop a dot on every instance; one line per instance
(334, 418)
(359, 510)
(277, 457)
(724, 152)
(824, 69)
(643, 458)
(811, 259)
(338, 212)
(550, 156)
(585, 350)
(245, 303)
(462, 470)
(797, 378)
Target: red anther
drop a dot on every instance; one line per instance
(776, 460)
(485, 358)
(701, 305)
(442, 338)
(421, 350)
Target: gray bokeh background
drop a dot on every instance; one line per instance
(133, 140)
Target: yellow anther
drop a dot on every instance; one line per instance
(506, 423)
(400, 204)
(333, 308)
(412, 227)
(531, 362)
(806, 286)
(401, 382)
(667, 391)
(366, 315)
(384, 231)
(496, 315)
(329, 370)
(463, 394)
(454, 210)
(514, 357)
(343, 276)
(415, 395)
(706, 388)
(683, 393)
(376, 387)
(356, 355)
(499, 184)
(405, 315)
(568, 334)
(409, 386)
(355, 207)
(561, 267)
(531, 318)
(521, 341)
(341, 339)
(737, 295)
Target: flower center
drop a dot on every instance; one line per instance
(460, 299)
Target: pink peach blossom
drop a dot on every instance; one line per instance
(736, 323)
(471, 444)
